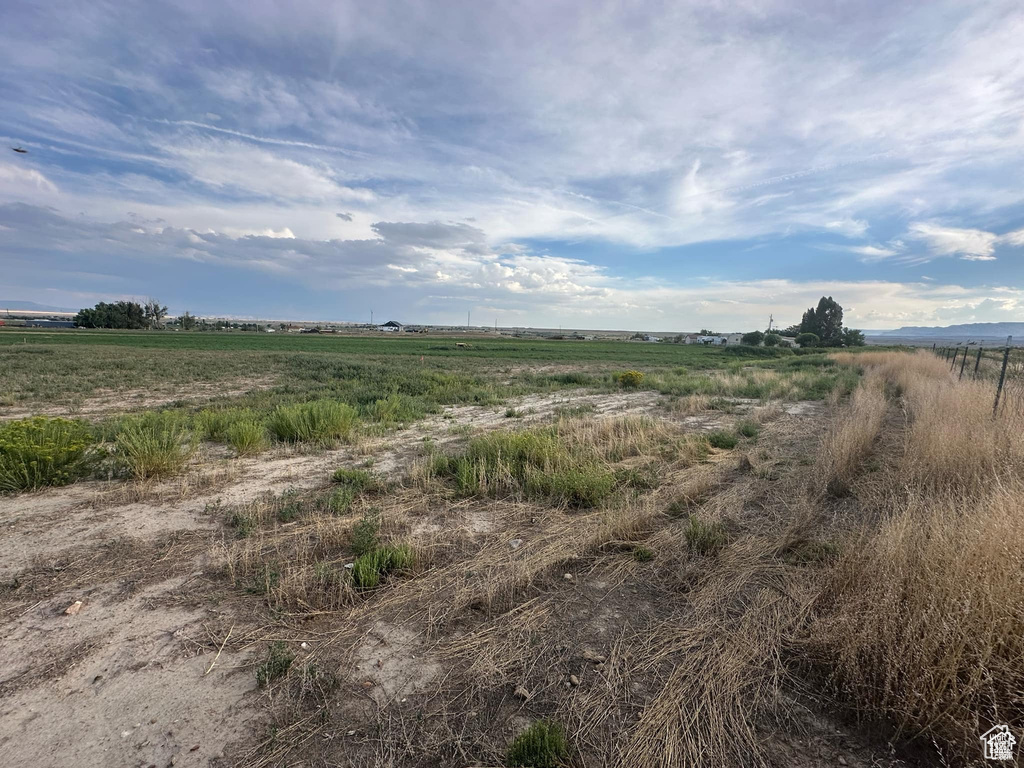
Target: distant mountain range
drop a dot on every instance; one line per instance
(30, 306)
(967, 330)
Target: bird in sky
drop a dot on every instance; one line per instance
(20, 151)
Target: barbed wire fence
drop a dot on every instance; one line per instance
(1001, 365)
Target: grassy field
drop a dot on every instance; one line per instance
(536, 553)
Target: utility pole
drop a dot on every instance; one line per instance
(468, 313)
(371, 317)
(771, 319)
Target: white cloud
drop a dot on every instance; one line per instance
(970, 244)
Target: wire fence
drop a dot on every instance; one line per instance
(1003, 366)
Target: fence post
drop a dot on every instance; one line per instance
(933, 346)
(1002, 375)
(963, 363)
(977, 363)
(952, 362)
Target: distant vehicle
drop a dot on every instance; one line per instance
(20, 151)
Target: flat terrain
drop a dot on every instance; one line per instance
(518, 533)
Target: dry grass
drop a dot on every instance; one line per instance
(921, 622)
(851, 438)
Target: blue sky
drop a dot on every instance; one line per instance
(602, 165)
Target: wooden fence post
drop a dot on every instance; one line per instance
(1002, 375)
(977, 363)
(956, 351)
(962, 364)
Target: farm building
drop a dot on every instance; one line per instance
(391, 326)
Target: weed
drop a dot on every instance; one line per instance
(340, 500)
(541, 745)
(320, 421)
(512, 413)
(365, 532)
(289, 506)
(809, 552)
(748, 429)
(721, 439)
(40, 451)
(155, 444)
(629, 379)
(279, 660)
(705, 538)
(638, 478)
(643, 554)
(243, 523)
(248, 438)
(356, 479)
(215, 423)
(371, 567)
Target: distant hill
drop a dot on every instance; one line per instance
(30, 306)
(972, 330)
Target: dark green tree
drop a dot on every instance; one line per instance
(772, 339)
(825, 321)
(188, 321)
(122, 315)
(808, 340)
(753, 338)
(853, 338)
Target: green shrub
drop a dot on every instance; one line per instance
(753, 339)
(724, 440)
(808, 339)
(371, 567)
(154, 444)
(40, 451)
(364, 533)
(512, 413)
(542, 745)
(705, 538)
(278, 661)
(340, 500)
(289, 506)
(319, 421)
(357, 479)
(248, 438)
(629, 379)
(748, 429)
(215, 423)
(393, 409)
(773, 340)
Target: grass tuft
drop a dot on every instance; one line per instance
(705, 538)
(320, 421)
(541, 745)
(154, 444)
(279, 660)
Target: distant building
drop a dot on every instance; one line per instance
(714, 341)
(391, 326)
(49, 323)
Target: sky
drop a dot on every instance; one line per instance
(617, 165)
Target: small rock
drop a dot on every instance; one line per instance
(842, 760)
(303, 646)
(522, 693)
(351, 733)
(367, 684)
(574, 680)
(596, 658)
(125, 734)
(568, 577)
(516, 543)
(74, 608)
(349, 566)
(194, 748)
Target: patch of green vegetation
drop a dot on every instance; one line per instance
(279, 660)
(513, 413)
(365, 533)
(643, 554)
(748, 429)
(290, 506)
(41, 451)
(244, 523)
(340, 500)
(154, 444)
(371, 567)
(319, 421)
(629, 379)
(356, 479)
(248, 438)
(536, 462)
(542, 745)
(574, 411)
(215, 423)
(705, 538)
(722, 440)
(644, 478)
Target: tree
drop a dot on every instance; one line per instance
(853, 338)
(121, 314)
(825, 322)
(706, 332)
(188, 322)
(155, 313)
(772, 339)
(753, 338)
(792, 331)
(808, 340)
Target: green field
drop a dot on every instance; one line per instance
(262, 371)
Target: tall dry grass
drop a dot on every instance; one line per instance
(921, 622)
(852, 437)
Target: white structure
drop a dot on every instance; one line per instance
(390, 326)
